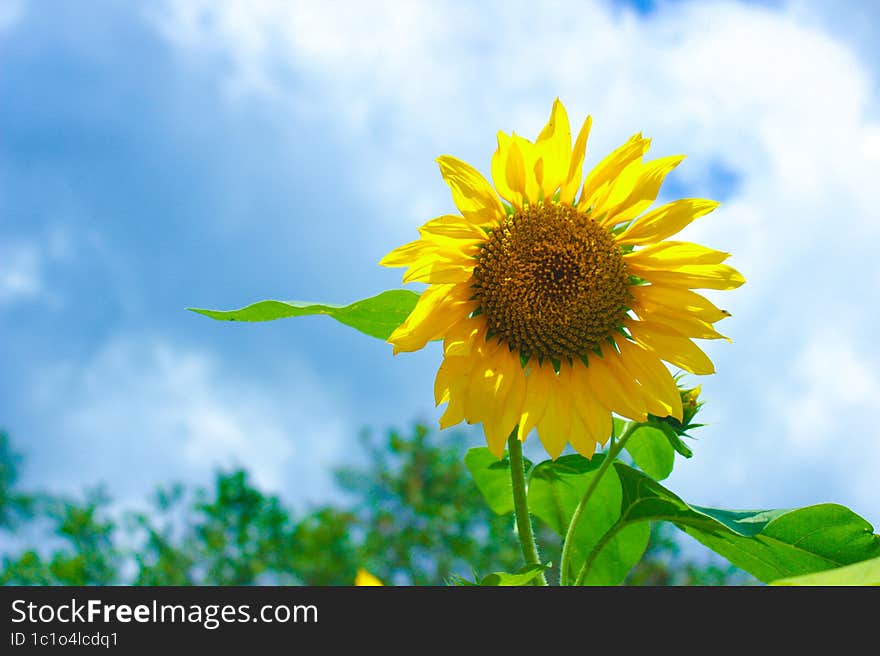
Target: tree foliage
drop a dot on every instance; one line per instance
(413, 517)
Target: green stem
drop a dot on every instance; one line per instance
(614, 448)
(521, 504)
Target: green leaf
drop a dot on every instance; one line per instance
(617, 558)
(456, 580)
(555, 490)
(625, 547)
(376, 316)
(492, 477)
(769, 544)
(651, 451)
(522, 576)
(797, 542)
(864, 573)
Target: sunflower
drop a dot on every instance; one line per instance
(559, 306)
(364, 578)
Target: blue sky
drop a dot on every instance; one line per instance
(161, 155)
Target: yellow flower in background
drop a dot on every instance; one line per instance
(363, 577)
(559, 307)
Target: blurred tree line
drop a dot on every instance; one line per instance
(414, 518)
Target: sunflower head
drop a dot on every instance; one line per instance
(559, 296)
(551, 282)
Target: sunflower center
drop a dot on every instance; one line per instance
(551, 282)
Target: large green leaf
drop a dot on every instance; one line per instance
(619, 555)
(652, 451)
(797, 542)
(376, 316)
(866, 572)
(556, 489)
(492, 477)
(769, 544)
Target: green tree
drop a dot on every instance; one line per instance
(414, 517)
(13, 504)
(423, 517)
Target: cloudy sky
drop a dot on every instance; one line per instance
(161, 155)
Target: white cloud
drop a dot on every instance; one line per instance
(768, 93)
(146, 405)
(827, 411)
(20, 273)
(778, 101)
(831, 386)
(871, 145)
(27, 266)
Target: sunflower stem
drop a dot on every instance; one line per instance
(521, 504)
(614, 448)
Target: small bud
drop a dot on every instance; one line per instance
(690, 404)
(675, 429)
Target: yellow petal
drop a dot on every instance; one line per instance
(691, 276)
(529, 157)
(678, 320)
(515, 173)
(454, 413)
(671, 254)
(595, 415)
(627, 383)
(452, 226)
(666, 220)
(576, 166)
(615, 189)
(438, 308)
(439, 271)
(461, 337)
(681, 323)
(513, 407)
(580, 434)
(502, 416)
(406, 254)
(480, 395)
(676, 299)
(621, 396)
(452, 248)
(632, 194)
(473, 196)
(451, 372)
(553, 148)
(610, 167)
(653, 375)
(496, 440)
(539, 172)
(555, 424)
(500, 163)
(675, 349)
(538, 383)
(435, 259)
